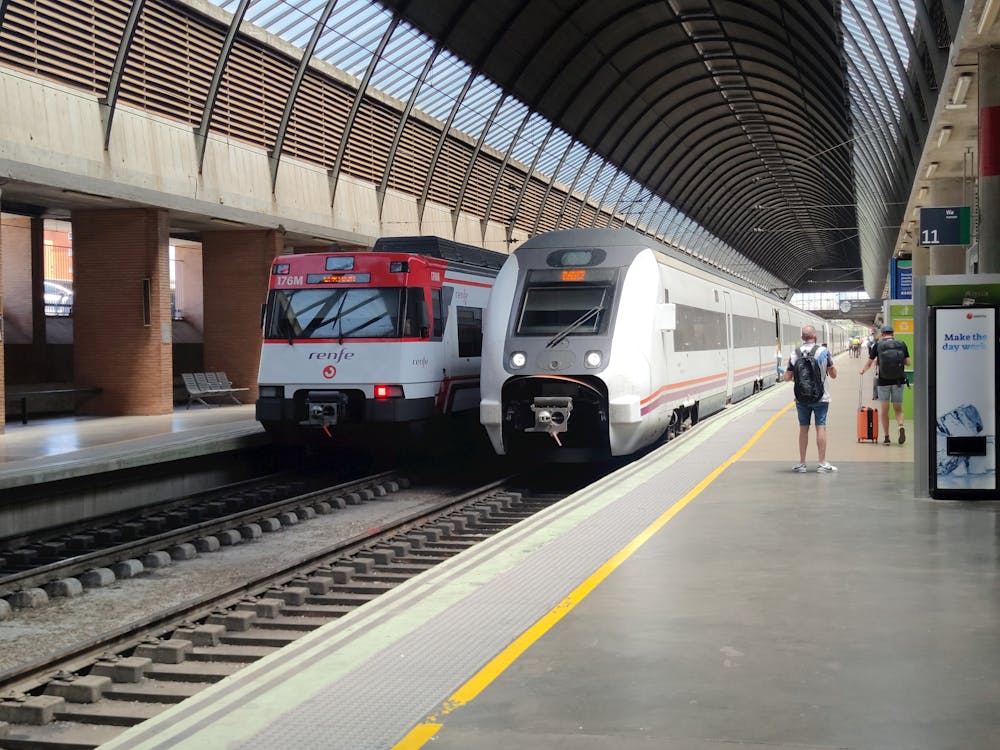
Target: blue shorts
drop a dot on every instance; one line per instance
(819, 409)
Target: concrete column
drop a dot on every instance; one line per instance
(236, 266)
(947, 259)
(121, 337)
(3, 382)
(39, 344)
(921, 257)
(989, 161)
(16, 291)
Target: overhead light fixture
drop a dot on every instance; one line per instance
(910, 224)
(922, 193)
(989, 16)
(944, 135)
(931, 169)
(961, 89)
(915, 214)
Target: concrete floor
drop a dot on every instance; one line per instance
(777, 610)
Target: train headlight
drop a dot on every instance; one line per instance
(271, 391)
(518, 360)
(593, 359)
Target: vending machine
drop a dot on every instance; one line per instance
(963, 403)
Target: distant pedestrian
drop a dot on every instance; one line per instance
(892, 357)
(810, 366)
(777, 357)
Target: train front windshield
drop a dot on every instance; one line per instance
(562, 308)
(341, 313)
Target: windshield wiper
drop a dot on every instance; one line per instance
(558, 338)
(340, 320)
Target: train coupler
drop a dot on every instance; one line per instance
(551, 415)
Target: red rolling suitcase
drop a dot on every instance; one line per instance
(867, 420)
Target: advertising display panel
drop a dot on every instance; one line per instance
(963, 402)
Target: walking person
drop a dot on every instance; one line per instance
(892, 357)
(810, 366)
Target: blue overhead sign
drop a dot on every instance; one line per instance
(901, 279)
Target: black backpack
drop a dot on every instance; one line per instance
(891, 356)
(808, 376)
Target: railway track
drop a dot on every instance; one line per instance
(89, 695)
(65, 563)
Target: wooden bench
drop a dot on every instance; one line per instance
(202, 385)
(21, 396)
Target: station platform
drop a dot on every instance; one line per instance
(55, 448)
(702, 598)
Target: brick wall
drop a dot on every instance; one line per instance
(235, 266)
(16, 231)
(114, 348)
(3, 303)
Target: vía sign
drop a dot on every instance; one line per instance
(945, 226)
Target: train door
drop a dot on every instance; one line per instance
(729, 358)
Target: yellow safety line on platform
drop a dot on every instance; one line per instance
(423, 732)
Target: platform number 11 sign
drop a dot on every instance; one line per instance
(944, 226)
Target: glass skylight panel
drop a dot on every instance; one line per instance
(531, 140)
(555, 149)
(444, 83)
(571, 165)
(353, 35)
(476, 108)
(504, 127)
(403, 59)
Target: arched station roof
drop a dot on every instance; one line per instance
(790, 130)
(776, 139)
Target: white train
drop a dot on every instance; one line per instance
(388, 336)
(598, 343)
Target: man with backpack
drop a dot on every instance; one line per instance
(809, 366)
(893, 357)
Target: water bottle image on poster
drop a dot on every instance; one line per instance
(964, 401)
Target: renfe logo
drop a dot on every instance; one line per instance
(335, 356)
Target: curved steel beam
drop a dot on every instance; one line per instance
(599, 208)
(527, 181)
(446, 128)
(3, 12)
(333, 176)
(503, 166)
(586, 196)
(109, 101)
(274, 155)
(201, 132)
(551, 183)
(457, 209)
(403, 120)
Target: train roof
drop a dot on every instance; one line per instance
(439, 247)
(623, 244)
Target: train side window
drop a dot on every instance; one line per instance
(437, 310)
(470, 331)
(414, 313)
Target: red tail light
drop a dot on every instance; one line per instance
(381, 391)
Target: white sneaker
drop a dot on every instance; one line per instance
(826, 468)
(801, 469)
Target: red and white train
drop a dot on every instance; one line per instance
(384, 336)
